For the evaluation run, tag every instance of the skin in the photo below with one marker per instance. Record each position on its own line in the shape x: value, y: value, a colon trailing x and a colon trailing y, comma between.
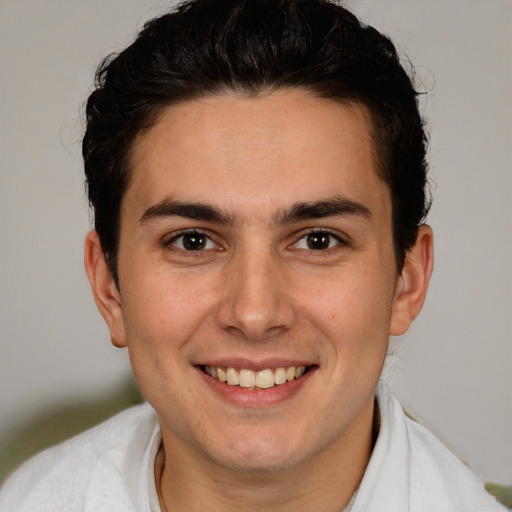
x: 258, y: 296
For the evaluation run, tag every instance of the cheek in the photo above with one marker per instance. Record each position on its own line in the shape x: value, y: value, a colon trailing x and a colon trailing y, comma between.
x: 350, y: 303
x: 161, y: 317
x: 353, y: 313
x: 165, y: 311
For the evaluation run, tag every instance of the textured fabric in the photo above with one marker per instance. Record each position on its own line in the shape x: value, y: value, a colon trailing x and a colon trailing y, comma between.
x: 411, y: 471
x: 110, y: 469
x: 154, y: 503
x: 103, y: 469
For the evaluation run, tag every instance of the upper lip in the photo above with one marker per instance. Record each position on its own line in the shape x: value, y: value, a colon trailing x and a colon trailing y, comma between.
x: 255, y: 364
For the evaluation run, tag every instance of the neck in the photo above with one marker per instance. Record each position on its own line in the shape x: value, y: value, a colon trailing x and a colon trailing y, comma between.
x: 190, y: 481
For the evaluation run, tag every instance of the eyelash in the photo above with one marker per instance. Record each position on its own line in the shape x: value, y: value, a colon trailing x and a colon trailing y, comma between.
x: 171, y: 242
x: 207, y: 240
x: 321, y: 231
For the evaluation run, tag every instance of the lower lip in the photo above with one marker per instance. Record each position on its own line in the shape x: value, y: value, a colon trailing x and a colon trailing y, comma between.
x: 256, y: 397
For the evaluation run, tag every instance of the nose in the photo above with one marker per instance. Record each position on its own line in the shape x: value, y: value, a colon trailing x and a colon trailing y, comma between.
x: 256, y: 303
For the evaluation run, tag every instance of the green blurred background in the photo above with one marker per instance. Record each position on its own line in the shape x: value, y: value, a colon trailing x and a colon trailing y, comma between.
x: 60, y: 423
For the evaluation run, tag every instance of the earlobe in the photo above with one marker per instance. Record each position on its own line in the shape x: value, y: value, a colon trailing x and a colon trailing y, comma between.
x: 104, y: 290
x: 412, y: 285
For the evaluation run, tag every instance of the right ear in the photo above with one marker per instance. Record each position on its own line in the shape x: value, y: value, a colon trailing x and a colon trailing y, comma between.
x: 104, y: 289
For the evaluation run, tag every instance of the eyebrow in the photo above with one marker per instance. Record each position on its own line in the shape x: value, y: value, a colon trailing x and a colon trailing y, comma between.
x: 196, y: 211
x: 300, y: 211
x: 331, y: 207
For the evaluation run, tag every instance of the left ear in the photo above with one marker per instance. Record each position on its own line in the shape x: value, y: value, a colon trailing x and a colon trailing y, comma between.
x: 104, y: 290
x: 412, y: 283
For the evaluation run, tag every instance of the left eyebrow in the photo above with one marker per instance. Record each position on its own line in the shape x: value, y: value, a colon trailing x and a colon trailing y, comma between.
x: 195, y: 211
x: 335, y: 206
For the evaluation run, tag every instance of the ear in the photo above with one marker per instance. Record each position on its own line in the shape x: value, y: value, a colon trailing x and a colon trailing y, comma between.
x: 412, y: 283
x: 104, y: 290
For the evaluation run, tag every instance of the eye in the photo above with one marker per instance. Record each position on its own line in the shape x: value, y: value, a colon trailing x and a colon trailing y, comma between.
x: 318, y: 241
x: 192, y: 241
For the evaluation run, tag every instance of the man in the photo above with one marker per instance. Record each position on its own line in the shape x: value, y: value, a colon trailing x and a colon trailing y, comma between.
x: 257, y: 172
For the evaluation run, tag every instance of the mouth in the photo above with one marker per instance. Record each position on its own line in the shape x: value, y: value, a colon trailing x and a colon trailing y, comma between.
x: 260, y: 379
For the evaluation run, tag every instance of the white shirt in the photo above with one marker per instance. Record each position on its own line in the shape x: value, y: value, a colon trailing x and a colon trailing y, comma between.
x: 411, y: 471
x: 110, y: 468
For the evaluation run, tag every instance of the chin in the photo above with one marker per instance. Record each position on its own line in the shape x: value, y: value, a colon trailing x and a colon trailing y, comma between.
x: 245, y: 454
x: 258, y: 463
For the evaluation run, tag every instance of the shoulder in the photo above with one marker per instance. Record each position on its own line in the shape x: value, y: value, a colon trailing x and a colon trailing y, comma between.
x: 100, y: 460
x: 436, y: 472
x: 411, y: 470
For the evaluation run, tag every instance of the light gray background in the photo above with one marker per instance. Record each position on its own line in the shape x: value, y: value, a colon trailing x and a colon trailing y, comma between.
x: 453, y: 369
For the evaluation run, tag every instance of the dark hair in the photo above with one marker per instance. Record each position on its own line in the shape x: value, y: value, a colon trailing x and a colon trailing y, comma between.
x: 207, y: 47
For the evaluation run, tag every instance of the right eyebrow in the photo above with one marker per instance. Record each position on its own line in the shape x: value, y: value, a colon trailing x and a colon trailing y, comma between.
x: 190, y: 210
x: 334, y: 206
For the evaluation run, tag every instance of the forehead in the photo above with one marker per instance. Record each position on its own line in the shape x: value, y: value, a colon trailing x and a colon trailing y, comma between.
x: 283, y: 148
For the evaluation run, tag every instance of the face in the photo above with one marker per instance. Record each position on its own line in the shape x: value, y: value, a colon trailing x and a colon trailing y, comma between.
x: 256, y: 246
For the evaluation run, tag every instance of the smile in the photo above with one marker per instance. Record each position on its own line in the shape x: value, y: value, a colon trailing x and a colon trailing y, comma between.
x: 262, y: 379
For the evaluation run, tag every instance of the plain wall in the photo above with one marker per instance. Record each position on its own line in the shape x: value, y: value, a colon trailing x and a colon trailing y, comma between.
x: 453, y: 370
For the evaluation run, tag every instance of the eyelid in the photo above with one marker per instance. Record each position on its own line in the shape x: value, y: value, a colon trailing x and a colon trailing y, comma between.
x: 175, y: 235
x: 342, y: 239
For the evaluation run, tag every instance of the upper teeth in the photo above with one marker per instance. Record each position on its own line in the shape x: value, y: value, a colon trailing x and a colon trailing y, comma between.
x: 244, y: 378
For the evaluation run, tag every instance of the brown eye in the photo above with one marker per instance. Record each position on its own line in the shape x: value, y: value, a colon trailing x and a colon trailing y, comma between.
x: 318, y: 241
x: 193, y: 241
